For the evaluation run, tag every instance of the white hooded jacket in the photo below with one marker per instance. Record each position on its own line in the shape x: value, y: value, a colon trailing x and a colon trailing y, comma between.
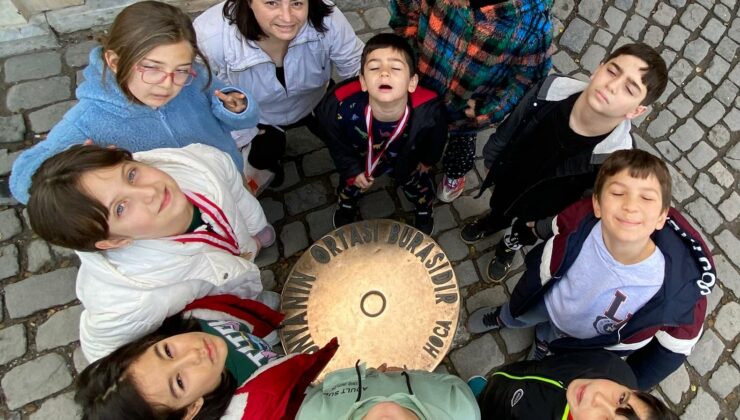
x: 128, y: 292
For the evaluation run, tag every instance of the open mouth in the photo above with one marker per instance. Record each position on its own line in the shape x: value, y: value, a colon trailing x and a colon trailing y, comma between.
x: 579, y: 394
x: 210, y: 348
x: 166, y: 198
x: 385, y: 88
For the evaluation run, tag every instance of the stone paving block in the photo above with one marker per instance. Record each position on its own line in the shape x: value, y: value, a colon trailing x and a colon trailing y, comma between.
x: 294, y: 238
x: 702, y: 155
x: 77, y: 54
x: 60, y: 329
x: 466, y: 274
x: 443, y: 218
x: 12, y: 343
x: 661, y: 125
x: 590, y: 10
x: 721, y: 174
x: 8, y: 261
x: 719, y: 136
x: 717, y: 70
x: 562, y: 8
x: 6, y: 161
x: 35, y: 379
x: 38, y: 255
x: 317, y: 163
x: 40, y: 292
x: 686, y: 135
x: 730, y: 208
x: 614, y: 19
x: 306, y: 197
x: 734, y: 31
x: 268, y: 280
x: 61, y: 407
x: 681, y: 189
x: 714, y: 298
x: 493, y: 296
x: 517, y: 339
x: 576, y: 34
x: 645, y: 7
x: 593, y: 56
x: 603, y: 37
x: 668, y: 150
x: 557, y: 27
x: 722, y: 12
x: 467, y: 206
x: 12, y: 128
x: 79, y: 359
x: 726, y: 274
x: 697, y: 89
x: 623, y: 4
x: 267, y: 256
x: 693, y: 16
x: 477, y: 357
x: 724, y: 380
x: 635, y: 26
x: 676, y: 37
x: 28, y: 95
x: 62, y: 252
x: 703, y: 406
x: 713, y: 30
x: 320, y: 222
x: 377, y: 17
x: 32, y: 66
x: 653, y: 36
x: 686, y: 167
x: 46, y: 118
x: 670, y: 87
x: 727, y: 323
x: 709, y: 189
x: 355, y: 20
x: 301, y: 141
x: 273, y: 209
x: 706, y: 352
x: 733, y: 157
x: 696, y: 50
x: 676, y: 384
x: 735, y: 75
x: 453, y: 246
x: 376, y: 205
x: 681, y: 106
x: 679, y: 71
x: 726, y: 48
x: 726, y: 92
x: 664, y: 14
x: 10, y: 225
x: 729, y: 244
x: 291, y: 176
x: 733, y: 120
x: 705, y: 214
x: 563, y: 63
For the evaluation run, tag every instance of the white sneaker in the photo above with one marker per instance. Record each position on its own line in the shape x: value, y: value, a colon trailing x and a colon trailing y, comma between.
x: 450, y: 188
x: 270, y: 299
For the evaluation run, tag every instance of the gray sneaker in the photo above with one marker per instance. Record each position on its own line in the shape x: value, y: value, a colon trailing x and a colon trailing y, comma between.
x: 484, y: 319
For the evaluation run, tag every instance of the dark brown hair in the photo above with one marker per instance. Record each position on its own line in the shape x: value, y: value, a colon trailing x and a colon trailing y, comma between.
x: 140, y: 28
x: 59, y: 209
x: 239, y: 13
x: 393, y: 41
x: 654, y: 76
x: 657, y: 410
x: 105, y: 391
x: 640, y: 164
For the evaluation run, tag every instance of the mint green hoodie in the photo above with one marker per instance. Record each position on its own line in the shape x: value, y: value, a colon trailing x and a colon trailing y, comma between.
x: 431, y: 396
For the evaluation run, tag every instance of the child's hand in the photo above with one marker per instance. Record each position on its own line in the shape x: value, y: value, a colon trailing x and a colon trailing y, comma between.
x: 470, y: 109
x: 233, y: 101
x: 422, y: 168
x: 364, y: 182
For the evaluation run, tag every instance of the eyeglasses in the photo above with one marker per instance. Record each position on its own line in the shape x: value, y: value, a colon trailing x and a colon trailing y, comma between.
x: 154, y: 76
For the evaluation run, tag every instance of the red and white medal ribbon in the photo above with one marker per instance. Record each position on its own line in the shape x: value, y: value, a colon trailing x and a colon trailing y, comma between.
x: 221, y: 235
x: 373, y: 162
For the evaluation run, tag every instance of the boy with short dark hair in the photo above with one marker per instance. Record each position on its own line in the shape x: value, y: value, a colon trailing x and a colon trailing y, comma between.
x: 154, y: 231
x: 383, y: 123
x: 614, y: 277
x: 546, y: 154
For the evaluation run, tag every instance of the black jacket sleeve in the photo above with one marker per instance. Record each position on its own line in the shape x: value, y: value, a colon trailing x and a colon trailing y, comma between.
x: 348, y: 164
x: 653, y: 363
x: 432, y: 139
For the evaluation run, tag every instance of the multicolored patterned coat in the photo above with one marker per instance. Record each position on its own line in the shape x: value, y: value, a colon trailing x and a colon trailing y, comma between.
x: 492, y: 54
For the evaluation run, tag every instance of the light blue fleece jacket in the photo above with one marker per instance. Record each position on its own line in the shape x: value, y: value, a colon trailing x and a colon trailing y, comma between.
x: 106, y: 116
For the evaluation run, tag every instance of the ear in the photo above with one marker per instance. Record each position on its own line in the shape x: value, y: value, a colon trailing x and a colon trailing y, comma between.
x: 662, y: 219
x: 111, y: 59
x: 362, y: 83
x: 597, y: 207
x: 413, y: 83
x: 641, y: 109
x: 193, y: 409
x: 113, y: 243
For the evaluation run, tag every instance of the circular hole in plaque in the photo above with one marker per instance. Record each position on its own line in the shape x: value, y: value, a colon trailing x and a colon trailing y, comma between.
x: 372, y: 303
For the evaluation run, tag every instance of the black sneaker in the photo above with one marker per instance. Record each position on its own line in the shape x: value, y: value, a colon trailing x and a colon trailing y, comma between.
x: 500, y: 265
x: 344, y: 215
x: 476, y: 230
x: 424, y: 221
x: 484, y: 319
x: 540, y: 349
x: 279, y: 178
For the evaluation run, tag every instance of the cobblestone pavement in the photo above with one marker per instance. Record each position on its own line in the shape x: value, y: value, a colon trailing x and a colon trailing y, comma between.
x: 694, y: 127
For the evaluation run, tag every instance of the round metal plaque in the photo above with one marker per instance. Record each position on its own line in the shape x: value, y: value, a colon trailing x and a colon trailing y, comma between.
x: 384, y: 289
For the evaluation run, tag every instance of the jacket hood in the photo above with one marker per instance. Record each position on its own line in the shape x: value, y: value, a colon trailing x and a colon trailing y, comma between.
x: 105, y: 91
x: 360, y: 409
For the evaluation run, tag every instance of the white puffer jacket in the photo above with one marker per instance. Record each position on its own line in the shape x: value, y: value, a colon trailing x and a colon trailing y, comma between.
x: 307, y: 64
x: 128, y: 292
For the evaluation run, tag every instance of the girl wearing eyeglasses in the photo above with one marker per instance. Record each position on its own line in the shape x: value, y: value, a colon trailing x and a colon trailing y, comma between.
x: 143, y: 90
